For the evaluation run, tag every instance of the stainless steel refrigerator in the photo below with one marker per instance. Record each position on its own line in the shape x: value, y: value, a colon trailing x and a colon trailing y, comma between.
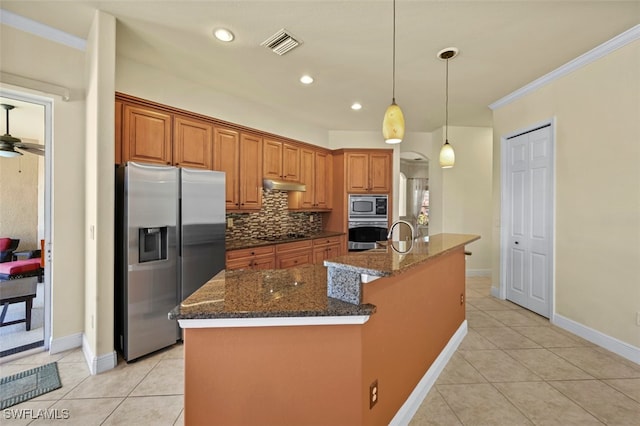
x: 170, y: 226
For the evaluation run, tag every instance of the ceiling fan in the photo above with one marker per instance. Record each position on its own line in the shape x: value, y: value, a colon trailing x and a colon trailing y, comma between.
x: 8, y: 143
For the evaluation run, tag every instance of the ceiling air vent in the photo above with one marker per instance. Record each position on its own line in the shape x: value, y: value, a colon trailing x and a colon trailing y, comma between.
x: 281, y: 42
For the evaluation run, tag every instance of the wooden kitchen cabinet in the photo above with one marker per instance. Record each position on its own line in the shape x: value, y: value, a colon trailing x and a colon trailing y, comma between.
x: 315, y: 173
x: 262, y: 257
x: 326, y: 248
x: 369, y: 171
x: 281, y: 160
x: 239, y: 155
x: 146, y: 135
x: 292, y: 254
x: 192, y: 143
x: 250, y: 172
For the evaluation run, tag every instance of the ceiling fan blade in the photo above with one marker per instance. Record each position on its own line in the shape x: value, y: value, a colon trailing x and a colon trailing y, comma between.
x: 32, y: 148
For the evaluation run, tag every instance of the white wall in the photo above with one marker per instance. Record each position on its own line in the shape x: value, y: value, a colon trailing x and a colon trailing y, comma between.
x: 63, y: 66
x: 99, y: 194
x: 597, y: 218
x: 467, y: 191
x: 139, y: 80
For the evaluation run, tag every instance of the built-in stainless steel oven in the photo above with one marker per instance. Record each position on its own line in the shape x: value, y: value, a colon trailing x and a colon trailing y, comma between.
x: 363, y: 235
x: 368, y: 221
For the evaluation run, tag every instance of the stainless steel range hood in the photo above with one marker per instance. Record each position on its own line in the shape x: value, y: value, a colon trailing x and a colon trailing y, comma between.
x: 283, y: 185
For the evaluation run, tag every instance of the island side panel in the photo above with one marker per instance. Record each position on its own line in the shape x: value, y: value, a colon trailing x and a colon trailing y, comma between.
x: 418, y: 311
x: 302, y: 375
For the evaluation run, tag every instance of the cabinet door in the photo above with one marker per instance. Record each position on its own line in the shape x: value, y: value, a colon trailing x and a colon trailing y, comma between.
x: 146, y: 135
x: 357, y: 172
x: 334, y: 250
x: 272, y: 164
x: 118, y: 135
x: 192, y: 143
x: 227, y: 159
x: 380, y: 172
x: 264, y: 262
x: 290, y: 162
x: 250, y: 172
x: 322, y: 178
x: 319, y: 255
x: 307, y: 176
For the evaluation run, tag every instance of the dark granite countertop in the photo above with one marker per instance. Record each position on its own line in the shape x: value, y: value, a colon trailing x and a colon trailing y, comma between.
x: 242, y: 244
x: 302, y: 292
x: 294, y: 292
x: 385, y: 261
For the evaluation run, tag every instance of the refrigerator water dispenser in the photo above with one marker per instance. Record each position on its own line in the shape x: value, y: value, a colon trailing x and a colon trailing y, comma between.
x: 152, y: 244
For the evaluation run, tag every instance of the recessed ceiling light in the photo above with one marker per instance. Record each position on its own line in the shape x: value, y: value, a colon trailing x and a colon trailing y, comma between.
x: 306, y: 79
x: 223, y: 34
x: 356, y: 106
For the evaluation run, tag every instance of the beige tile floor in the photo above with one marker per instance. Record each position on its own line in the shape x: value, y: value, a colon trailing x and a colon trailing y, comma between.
x: 515, y: 368
x: 512, y: 368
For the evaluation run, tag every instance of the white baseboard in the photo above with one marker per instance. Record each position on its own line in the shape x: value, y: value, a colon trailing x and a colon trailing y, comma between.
x: 495, y: 292
x: 98, y: 364
x: 612, y: 344
x: 478, y: 272
x: 65, y: 343
x: 411, y: 405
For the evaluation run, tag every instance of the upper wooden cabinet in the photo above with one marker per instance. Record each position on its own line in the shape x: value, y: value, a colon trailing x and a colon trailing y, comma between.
x: 226, y: 144
x: 315, y: 173
x: 239, y: 155
x: 250, y: 172
x: 281, y: 160
x: 146, y: 135
x: 192, y: 143
x: 368, y: 171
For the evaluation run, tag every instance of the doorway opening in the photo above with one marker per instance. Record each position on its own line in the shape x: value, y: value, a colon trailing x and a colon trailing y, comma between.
x: 25, y: 206
x: 413, y: 199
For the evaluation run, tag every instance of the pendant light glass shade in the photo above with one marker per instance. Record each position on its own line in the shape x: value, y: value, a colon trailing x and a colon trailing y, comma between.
x: 447, y: 156
x: 393, y: 121
x: 393, y: 124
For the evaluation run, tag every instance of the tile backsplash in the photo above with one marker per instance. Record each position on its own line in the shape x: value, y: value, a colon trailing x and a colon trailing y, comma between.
x: 273, y: 219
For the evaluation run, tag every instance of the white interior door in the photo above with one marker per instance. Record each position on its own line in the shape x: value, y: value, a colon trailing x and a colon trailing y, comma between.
x: 529, y: 263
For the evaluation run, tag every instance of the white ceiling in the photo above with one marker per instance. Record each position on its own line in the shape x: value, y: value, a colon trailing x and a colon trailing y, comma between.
x: 347, y: 48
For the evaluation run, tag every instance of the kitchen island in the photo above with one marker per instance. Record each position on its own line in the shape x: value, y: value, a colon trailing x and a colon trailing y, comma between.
x: 272, y: 348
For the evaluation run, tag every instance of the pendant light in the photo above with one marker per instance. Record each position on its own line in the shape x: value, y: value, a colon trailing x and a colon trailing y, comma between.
x: 447, y: 156
x: 393, y: 122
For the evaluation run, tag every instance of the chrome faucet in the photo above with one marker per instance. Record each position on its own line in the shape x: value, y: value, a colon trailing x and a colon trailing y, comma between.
x: 397, y: 222
x: 390, y: 234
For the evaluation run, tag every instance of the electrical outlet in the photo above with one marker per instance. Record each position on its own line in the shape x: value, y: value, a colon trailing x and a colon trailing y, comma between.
x: 230, y: 223
x: 310, y: 218
x: 638, y: 319
x: 373, y: 394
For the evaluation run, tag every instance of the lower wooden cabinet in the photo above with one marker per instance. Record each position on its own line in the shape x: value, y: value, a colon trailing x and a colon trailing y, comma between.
x: 326, y: 248
x: 262, y: 257
x: 292, y: 254
x: 286, y: 255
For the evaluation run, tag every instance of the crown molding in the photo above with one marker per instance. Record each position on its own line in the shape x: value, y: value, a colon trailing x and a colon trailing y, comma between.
x: 41, y: 30
x: 593, y: 55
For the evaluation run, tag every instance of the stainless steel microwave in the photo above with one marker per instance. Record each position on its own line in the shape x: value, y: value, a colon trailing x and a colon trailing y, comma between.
x: 367, y: 207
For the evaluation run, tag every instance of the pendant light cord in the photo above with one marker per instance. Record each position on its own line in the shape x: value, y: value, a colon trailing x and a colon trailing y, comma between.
x: 446, y: 105
x: 393, y: 87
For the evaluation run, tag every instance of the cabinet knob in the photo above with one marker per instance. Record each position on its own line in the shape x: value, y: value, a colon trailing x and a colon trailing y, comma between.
x: 253, y: 253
